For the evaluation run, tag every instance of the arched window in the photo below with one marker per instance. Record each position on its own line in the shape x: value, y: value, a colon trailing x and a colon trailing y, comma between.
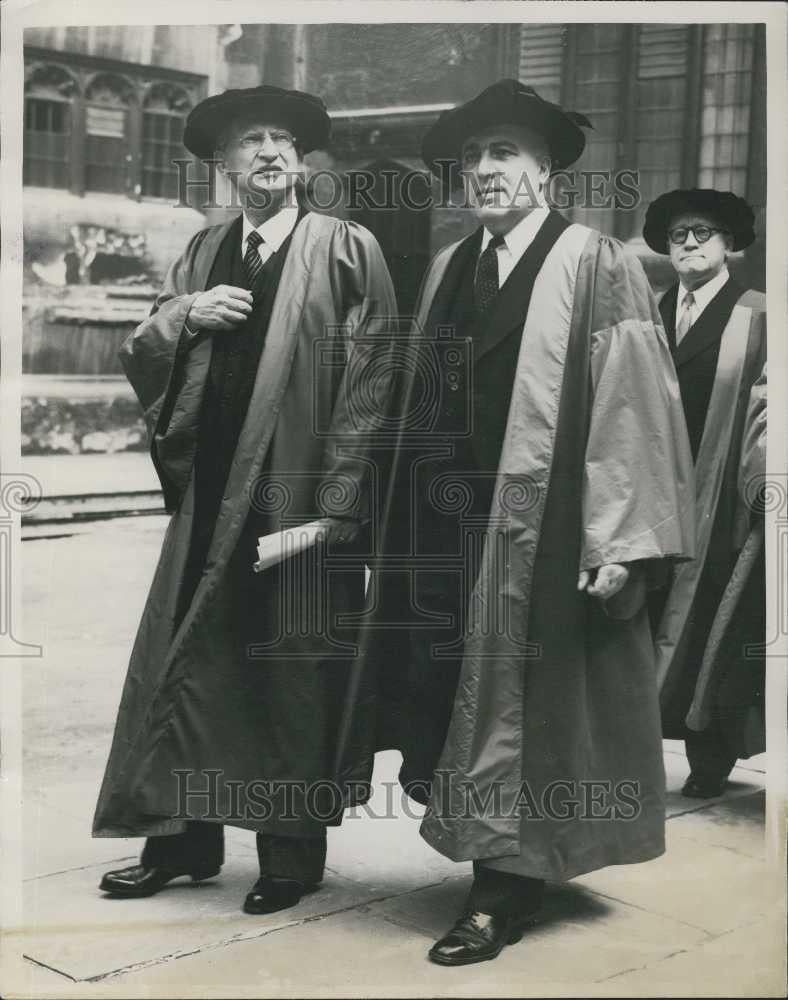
x: 49, y: 92
x: 107, y: 102
x: 164, y: 114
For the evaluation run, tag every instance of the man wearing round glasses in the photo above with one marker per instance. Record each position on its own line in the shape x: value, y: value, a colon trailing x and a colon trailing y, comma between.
x: 235, y: 688
x: 711, y: 620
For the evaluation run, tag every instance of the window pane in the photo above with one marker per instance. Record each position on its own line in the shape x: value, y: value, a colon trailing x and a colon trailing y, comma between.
x: 541, y: 53
x: 105, y: 149
x: 659, y: 122
x: 725, y: 119
x: 46, y: 142
x: 162, y: 143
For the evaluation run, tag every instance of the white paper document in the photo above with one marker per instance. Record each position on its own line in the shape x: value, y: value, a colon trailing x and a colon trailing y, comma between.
x: 272, y: 549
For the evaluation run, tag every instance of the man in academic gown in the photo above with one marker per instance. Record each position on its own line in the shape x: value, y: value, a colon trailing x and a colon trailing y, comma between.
x: 236, y: 680
x: 710, y: 623
x: 553, y: 480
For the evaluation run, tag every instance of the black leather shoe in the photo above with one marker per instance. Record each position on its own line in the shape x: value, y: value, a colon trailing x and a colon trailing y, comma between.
x: 142, y: 880
x: 478, y: 937
x: 699, y: 787
x: 270, y: 894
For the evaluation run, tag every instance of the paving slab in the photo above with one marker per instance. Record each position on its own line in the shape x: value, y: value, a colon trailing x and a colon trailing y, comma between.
x: 580, y: 936
x: 55, y: 842
x: 748, y: 962
x: 57, y: 824
x: 744, y: 781
x: 712, y: 888
x: 736, y: 824
x: 618, y: 932
x: 379, y: 843
x: 366, y: 953
x: 74, y: 929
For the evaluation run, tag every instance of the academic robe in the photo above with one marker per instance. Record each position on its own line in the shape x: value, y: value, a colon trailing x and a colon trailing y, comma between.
x: 195, y: 701
x: 556, y: 689
x: 710, y: 623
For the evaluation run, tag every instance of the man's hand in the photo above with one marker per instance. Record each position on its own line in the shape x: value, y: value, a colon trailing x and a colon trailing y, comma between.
x: 608, y: 580
x: 341, y: 530
x: 220, y: 308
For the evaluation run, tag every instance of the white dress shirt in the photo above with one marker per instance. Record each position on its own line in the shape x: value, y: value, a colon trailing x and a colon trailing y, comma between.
x: 274, y: 231
x: 516, y: 241
x: 702, y: 296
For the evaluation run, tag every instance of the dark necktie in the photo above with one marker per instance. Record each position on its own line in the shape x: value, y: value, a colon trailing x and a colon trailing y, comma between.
x: 253, y: 265
x: 486, y: 286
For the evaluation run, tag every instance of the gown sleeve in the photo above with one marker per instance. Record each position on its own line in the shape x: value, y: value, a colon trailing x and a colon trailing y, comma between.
x: 148, y: 355
x: 638, y: 488
x: 366, y: 308
x: 752, y: 467
x: 153, y: 358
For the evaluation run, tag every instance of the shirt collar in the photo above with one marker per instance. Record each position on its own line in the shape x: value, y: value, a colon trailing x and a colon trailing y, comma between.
x: 274, y: 230
x: 518, y: 239
x: 705, y: 293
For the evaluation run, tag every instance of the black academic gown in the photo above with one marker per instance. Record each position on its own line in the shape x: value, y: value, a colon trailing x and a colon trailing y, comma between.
x: 454, y: 492
x: 696, y: 360
x: 309, y: 700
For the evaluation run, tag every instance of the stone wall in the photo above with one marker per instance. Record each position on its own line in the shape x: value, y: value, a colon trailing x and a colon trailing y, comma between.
x: 79, y: 417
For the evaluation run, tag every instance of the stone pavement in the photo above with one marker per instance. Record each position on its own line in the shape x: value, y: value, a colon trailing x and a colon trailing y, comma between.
x: 706, y: 919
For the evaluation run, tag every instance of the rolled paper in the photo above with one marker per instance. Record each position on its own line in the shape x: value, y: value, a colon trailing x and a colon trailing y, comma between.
x: 281, y: 545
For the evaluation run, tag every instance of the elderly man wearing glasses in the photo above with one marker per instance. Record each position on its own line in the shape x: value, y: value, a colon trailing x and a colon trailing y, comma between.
x: 228, y: 716
x: 710, y: 623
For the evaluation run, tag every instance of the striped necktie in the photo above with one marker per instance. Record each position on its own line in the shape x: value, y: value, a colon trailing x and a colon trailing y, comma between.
x: 486, y: 284
x: 685, y: 318
x: 253, y: 264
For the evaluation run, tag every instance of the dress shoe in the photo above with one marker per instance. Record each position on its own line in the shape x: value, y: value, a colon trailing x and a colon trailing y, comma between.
x: 699, y: 787
x: 143, y: 880
x: 270, y: 894
x: 478, y: 937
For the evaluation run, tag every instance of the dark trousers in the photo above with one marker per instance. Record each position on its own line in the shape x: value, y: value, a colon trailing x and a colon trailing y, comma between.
x: 504, y: 894
x: 201, y: 846
x: 709, y: 755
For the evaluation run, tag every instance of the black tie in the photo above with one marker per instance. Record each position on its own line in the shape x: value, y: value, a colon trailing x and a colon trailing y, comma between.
x: 253, y: 265
x: 486, y: 286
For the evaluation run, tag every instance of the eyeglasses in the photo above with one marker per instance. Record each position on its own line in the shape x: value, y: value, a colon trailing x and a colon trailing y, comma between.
x: 679, y: 235
x: 283, y: 141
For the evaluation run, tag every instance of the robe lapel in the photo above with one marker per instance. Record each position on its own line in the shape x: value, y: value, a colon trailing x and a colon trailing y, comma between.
x: 206, y: 255
x: 459, y: 263
x: 708, y: 327
x: 667, y: 310
x: 198, y: 358
x: 715, y: 444
x: 273, y: 374
x: 511, y: 305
